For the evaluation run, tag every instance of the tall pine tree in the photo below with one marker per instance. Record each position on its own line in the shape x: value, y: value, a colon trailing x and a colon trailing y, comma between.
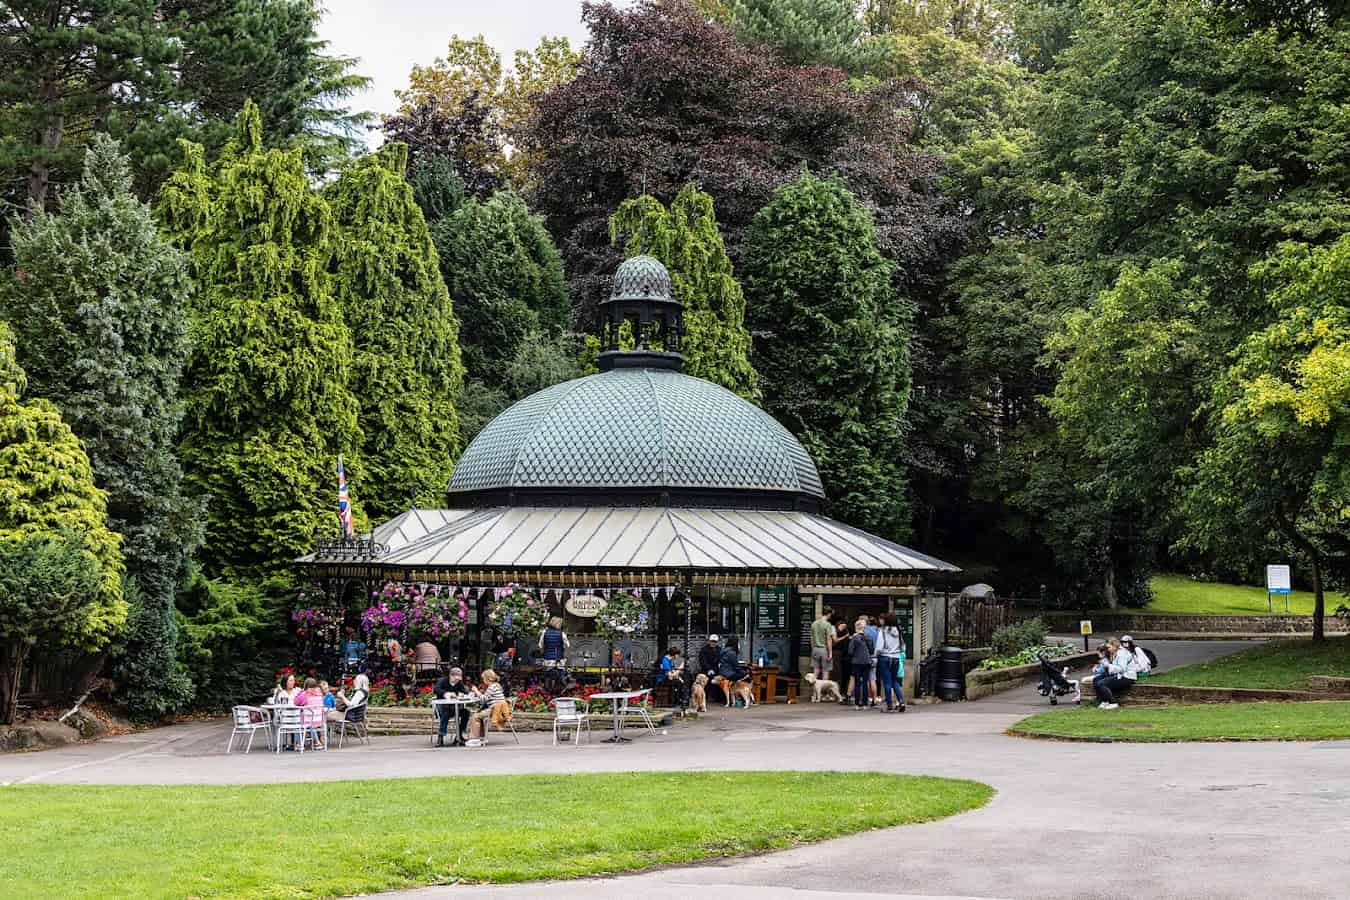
x: 834, y: 359
x: 407, y: 363
x: 47, y: 494
x: 268, y: 404
x: 99, y: 307
x: 686, y: 239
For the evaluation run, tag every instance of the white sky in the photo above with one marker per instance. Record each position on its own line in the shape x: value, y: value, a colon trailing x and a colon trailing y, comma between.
x: 390, y: 36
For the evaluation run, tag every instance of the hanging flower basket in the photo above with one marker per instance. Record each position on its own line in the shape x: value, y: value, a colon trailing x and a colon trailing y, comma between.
x: 435, y: 616
x: 516, y: 610
x: 624, y: 615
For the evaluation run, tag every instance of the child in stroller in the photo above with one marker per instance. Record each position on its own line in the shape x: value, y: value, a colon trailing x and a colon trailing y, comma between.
x: 1057, y: 684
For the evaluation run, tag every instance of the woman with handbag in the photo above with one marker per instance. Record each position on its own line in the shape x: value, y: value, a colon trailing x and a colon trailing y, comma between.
x: 891, y: 663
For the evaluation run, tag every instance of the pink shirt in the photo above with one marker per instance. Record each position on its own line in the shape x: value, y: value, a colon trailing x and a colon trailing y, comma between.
x: 312, y: 700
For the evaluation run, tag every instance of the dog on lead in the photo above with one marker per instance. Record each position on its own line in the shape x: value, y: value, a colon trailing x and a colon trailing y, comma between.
x: 698, y: 694
x: 734, y: 689
x: 822, y: 688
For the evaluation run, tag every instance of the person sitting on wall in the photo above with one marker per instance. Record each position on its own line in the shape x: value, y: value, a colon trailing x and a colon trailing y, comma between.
x: 709, y: 656
x: 554, y: 644
x: 451, y: 684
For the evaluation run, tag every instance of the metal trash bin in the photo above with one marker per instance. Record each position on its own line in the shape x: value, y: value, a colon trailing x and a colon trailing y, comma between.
x: 951, y: 674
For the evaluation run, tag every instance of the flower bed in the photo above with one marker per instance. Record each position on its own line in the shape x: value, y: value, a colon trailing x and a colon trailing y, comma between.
x: 1028, y: 656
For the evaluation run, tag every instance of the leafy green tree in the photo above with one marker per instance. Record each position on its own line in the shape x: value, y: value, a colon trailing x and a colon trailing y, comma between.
x: 833, y: 359
x: 506, y: 276
x: 406, y: 365
x: 60, y: 566
x: 1279, y: 460
x: 686, y: 239
x: 269, y: 407
x: 99, y: 308
x: 234, y: 636
x: 48, y: 588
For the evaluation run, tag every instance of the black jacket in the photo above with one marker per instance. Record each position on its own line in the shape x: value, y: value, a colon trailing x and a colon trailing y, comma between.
x: 729, y: 665
x: 860, y: 650
x: 443, y: 687
x: 707, y: 658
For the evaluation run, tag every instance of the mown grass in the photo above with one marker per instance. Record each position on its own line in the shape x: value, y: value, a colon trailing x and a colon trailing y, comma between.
x: 334, y: 838
x: 1211, y: 722
x: 1279, y: 665
x: 1179, y: 595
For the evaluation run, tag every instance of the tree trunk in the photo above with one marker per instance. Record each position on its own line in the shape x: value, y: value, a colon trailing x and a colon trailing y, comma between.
x: 1109, y: 586
x: 12, y: 657
x: 49, y: 140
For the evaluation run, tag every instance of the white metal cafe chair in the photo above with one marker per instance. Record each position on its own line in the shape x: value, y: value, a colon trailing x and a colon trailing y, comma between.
x: 641, y: 703
x: 567, y: 714
x: 294, y: 720
x: 354, y: 717
x: 249, y: 720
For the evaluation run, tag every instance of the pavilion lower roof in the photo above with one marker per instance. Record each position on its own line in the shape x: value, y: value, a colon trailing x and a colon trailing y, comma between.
x: 616, y: 545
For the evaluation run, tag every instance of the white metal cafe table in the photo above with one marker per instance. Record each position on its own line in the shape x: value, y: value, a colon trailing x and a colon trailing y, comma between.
x: 620, y: 701
x: 453, y: 702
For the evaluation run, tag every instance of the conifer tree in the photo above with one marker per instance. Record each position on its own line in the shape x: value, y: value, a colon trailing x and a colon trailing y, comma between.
x: 48, y: 498
x: 506, y: 276
x: 686, y: 239
x: 269, y: 408
x: 834, y: 362
x: 406, y: 366
x: 99, y: 308
x: 804, y: 32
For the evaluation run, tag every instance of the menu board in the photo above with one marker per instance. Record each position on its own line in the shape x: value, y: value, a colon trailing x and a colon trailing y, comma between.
x: 771, y: 608
x: 806, y: 615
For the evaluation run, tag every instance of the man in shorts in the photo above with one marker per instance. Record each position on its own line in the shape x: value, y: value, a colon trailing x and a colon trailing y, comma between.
x: 822, y: 644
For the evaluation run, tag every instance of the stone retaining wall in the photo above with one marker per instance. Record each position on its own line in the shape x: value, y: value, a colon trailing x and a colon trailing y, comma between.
x: 394, y: 720
x: 1107, y: 624
x: 983, y: 682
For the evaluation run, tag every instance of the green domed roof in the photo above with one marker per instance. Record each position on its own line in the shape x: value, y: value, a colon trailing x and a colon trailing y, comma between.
x: 642, y: 278
x: 633, y: 430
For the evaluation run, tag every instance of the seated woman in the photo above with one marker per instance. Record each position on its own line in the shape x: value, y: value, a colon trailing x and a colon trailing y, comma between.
x: 311, y: 698
x: 451, y: 684
x: 1121, y: 674
x: 285, y: 691
x: 360, y: 694
x: 672, y: 673
x: 491, y: 697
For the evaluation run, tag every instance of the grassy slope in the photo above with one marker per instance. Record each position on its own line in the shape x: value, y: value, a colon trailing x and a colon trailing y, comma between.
x: 1180, y: 595
x: 348, y: 837
x: 1279, y: 665
x: 1269, y: 721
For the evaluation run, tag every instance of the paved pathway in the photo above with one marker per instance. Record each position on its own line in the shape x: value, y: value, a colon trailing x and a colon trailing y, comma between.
x: 1144, y: 821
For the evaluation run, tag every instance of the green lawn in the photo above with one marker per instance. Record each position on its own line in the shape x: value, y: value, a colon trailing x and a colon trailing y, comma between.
x: 323, y: 839
x: 1179, y: 595
x: 1281, y: 665
x: 1212, y: 722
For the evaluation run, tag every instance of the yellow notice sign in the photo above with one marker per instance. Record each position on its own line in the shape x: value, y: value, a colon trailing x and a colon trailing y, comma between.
x: 1085, y: 626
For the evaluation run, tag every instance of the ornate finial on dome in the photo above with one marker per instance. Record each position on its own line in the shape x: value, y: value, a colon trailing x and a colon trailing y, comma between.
x: 642, y: 296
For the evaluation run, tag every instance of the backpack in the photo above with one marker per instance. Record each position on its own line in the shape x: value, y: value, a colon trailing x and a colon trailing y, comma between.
x: 1152, y: 657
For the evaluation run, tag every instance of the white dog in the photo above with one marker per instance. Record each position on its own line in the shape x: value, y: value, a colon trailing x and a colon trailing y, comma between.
x: 822, y: 688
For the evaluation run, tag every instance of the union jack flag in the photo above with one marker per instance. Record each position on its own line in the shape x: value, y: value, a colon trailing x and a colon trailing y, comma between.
x: 344, y: 502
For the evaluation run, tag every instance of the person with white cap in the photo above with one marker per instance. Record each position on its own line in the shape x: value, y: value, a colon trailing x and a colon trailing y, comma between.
x: 1141, y: 660
x: 708, y: 656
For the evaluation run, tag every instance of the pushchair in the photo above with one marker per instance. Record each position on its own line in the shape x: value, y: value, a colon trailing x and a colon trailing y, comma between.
x: 1058, y: 684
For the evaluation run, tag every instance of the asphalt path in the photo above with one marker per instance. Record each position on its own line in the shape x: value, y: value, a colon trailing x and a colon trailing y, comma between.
x: 1069, y: 820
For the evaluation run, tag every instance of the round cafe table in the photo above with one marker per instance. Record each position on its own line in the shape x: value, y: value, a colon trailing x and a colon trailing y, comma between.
x: 455, y: 702
x: 620, y: 701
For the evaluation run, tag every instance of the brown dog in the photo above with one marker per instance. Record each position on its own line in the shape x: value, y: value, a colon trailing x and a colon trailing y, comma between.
x: 698, y: 694
x: 733, y: 689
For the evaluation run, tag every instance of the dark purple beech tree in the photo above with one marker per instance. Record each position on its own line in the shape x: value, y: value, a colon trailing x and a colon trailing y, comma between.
x: 663, y: 98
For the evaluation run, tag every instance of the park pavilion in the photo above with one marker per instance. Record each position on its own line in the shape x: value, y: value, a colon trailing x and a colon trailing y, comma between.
x: 636, y: 481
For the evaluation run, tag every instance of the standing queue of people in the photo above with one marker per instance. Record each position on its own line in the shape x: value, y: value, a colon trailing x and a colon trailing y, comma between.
x: 871, y: 659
